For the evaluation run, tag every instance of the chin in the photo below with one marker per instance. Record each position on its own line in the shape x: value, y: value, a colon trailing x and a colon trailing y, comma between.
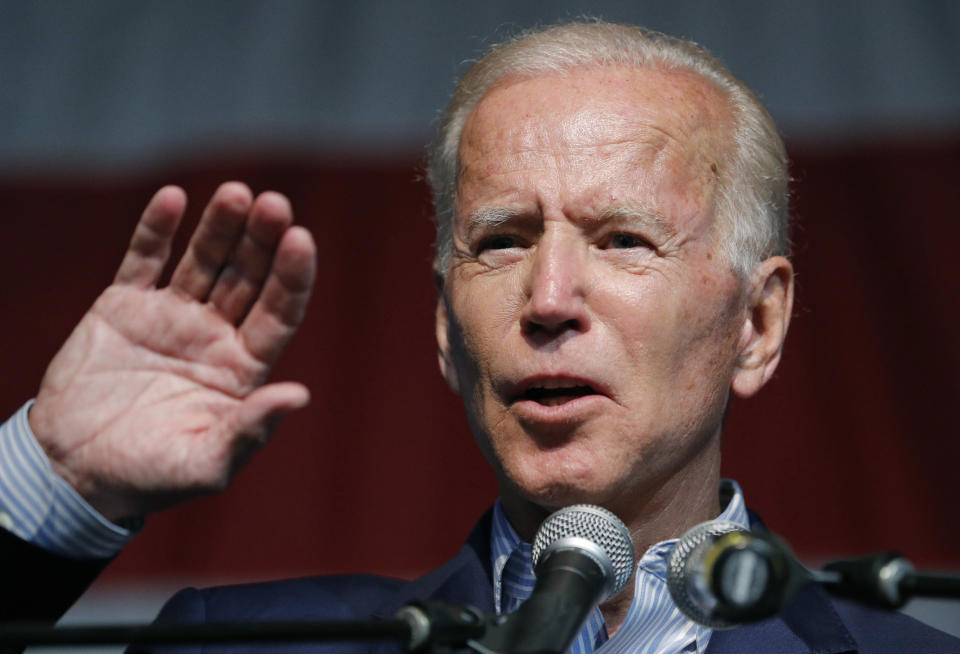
x: 554, y: 477
x: 552, y: 492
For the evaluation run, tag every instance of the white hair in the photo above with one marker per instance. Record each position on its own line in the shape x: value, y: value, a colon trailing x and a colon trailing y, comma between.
x: 752, y: 204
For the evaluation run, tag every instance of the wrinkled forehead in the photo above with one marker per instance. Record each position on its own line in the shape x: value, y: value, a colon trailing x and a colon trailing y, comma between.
x: 608, y: 134
x: 591, y: 106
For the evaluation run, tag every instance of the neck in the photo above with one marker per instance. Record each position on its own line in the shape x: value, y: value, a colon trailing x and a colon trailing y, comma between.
x: 667, y: 512
x: 660, y: 509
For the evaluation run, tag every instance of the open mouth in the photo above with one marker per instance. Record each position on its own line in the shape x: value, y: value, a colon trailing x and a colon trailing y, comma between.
x: 556, y: 395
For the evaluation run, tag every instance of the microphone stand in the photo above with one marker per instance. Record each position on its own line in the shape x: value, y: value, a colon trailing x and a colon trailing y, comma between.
x: 419, y: 626
x: 885, y: 579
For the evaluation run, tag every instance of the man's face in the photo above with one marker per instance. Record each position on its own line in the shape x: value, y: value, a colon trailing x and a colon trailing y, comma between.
x: 587, y: 319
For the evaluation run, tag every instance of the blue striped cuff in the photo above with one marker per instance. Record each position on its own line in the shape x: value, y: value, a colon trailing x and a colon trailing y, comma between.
x: 40, y: 507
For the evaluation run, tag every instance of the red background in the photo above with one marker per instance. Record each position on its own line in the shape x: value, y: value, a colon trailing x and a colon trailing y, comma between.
x: 853, y: 446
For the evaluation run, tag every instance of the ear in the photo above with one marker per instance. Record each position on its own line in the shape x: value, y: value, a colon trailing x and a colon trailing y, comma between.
x: 444, y: 356
x: 770, y: 303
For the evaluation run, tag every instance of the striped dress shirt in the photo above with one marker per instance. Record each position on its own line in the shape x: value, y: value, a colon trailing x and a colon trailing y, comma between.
x: 40, y: 507
x: 653, y: 625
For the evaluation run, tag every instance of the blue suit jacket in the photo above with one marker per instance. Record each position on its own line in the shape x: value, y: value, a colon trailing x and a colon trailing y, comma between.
x: 812, y: 623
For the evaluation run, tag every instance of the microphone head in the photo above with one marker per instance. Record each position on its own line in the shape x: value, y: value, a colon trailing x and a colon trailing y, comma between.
x: 686, y: 580
x: 595, y: 532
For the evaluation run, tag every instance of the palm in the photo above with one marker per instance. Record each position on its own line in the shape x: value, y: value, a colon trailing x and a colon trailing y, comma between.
x: 159, y: 380
x: 157, y: 394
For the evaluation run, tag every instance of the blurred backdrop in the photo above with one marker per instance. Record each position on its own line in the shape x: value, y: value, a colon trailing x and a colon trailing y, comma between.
x: 852, y: 448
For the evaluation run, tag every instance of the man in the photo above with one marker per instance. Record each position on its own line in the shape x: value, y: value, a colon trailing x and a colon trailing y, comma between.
x: 612, y: 231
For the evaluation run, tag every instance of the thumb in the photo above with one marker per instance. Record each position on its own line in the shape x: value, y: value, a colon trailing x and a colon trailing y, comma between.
x: 260, y: 414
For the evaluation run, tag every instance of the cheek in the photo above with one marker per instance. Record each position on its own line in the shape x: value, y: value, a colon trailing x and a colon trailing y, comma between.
x: 645, y: 314
x: 476, y: 330
x: 679, y: 330
x: 487, y: 306
x: 710, y: 334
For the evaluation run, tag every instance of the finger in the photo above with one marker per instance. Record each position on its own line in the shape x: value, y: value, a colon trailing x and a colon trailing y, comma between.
x: 281, y: 305
x: 239, y: 283
x: 150, y: 244
x: 261, y: 410
x: 258, y: 417
x: 211, y: 245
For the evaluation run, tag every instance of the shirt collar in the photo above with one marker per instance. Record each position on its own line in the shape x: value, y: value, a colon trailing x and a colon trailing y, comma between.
x: 655, y: 559
x: 504, y: 538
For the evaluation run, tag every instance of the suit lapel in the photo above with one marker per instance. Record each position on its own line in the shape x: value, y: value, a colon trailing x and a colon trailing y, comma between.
x: 808, y: 625
x: 464, y: 579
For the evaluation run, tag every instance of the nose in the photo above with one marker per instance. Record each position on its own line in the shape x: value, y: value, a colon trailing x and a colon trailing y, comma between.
x: 555, y: 286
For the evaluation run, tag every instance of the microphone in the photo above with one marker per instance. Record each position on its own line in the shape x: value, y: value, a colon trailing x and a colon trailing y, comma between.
x: 887, y: 580
x: 721, y: 575
x: 582, y: 556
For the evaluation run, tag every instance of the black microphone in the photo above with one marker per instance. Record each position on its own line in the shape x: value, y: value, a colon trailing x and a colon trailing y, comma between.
x: 722, y: 575
x: 582, y: 556
x: 887, y: 580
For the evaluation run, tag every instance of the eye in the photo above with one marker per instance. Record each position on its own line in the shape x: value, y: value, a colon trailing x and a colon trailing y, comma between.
x: 497, y: 242
x: 623, y: 241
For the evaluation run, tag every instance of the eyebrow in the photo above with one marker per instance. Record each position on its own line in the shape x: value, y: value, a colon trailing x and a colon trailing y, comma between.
x: 490, y: 217
x: 495, y: 216
x: 634, y: 211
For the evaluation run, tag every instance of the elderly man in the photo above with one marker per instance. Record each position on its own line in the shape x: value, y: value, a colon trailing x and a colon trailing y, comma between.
x: 612, y: 231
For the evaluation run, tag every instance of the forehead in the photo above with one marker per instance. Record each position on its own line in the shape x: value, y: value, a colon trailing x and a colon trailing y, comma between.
x: 680, y: 102
x: 660, y: 123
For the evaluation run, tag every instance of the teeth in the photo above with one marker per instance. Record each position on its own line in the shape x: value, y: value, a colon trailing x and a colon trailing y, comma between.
x: 557, y: 383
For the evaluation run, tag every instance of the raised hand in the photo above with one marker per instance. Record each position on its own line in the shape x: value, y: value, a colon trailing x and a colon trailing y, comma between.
x: 158, y: 395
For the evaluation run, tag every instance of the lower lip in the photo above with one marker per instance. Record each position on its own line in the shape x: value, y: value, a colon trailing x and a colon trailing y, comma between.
x: 574, y: 410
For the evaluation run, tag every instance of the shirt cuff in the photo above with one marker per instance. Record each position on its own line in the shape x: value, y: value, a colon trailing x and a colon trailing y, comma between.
x: 39, y: 506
